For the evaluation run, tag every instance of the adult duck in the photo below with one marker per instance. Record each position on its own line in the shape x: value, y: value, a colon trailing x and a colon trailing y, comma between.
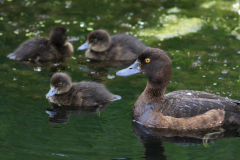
x: 178, y: 110
x: 102, y: 46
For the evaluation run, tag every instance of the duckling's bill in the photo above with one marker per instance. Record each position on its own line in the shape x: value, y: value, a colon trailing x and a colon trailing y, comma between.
x: 84, y: 46
x: 51, y: 93
x: 131, y: 70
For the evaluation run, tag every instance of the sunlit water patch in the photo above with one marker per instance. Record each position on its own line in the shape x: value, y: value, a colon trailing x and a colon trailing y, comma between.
x: 174, y: 27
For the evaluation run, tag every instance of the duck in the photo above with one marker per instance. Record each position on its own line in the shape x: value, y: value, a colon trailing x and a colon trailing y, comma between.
x: 43, y: 48
x: 101, y: 46
x: 177, y: 110
x: 84, y: 93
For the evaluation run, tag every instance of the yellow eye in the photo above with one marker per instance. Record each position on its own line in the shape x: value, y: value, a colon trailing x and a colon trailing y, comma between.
x: 147, y: 60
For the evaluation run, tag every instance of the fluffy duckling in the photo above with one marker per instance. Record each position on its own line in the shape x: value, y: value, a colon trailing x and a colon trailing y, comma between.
x: 42, y: 48
x: 117, y: 47
x: 64, y: 92
x: 179, y: 110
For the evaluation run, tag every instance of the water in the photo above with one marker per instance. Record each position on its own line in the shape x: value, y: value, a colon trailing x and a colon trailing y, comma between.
x: 201, y: 38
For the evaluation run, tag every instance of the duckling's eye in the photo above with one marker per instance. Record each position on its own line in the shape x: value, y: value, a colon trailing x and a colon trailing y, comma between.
x: 59, y: 84
x: 147, y: 60
x: 94, y: 40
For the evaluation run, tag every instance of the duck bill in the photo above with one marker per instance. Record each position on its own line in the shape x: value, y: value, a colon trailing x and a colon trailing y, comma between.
x: 84, y: 46
x: 51, y: 93
x: 131, y: 70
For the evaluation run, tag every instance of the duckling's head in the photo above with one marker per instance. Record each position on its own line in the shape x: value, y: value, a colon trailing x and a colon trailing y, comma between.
x: 152, y: 62
x: 60, y: 83
x: 98, y: 41
x: 58, y: 36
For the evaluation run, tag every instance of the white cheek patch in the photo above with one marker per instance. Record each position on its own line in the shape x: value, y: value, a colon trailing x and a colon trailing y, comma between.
x: 59, y: 92
x: 138, y: 66
x: 51, y: 99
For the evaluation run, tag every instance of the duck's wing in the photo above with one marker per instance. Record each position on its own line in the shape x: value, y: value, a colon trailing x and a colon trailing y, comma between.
x: 185, y: 107
x: 197, y: 94
x: 32, y: 48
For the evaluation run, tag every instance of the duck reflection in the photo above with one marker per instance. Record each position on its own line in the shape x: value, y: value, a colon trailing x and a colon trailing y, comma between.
x: 94, y: 64
x: 52, y: 66
x: 61, y: 114
x: 101, y: 70
x: 152, y: 139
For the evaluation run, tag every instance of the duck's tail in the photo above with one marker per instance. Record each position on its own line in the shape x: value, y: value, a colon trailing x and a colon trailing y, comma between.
x: 116, y: 97
x: 11, y: 56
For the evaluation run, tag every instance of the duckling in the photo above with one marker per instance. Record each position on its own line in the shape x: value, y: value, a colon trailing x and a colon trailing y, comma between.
x: 117, y: 47
x: 64, y: 92
x: 42, y: 48
x: 179, y: 110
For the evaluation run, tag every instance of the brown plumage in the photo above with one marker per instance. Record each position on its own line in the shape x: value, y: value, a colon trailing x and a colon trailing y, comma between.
x: 184, y: 109
x: 117, y: 47
x: 64, y: 92
x: 42, y: 48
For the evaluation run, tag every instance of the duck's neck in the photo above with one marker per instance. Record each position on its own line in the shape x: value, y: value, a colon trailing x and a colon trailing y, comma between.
x: 151, y: 98
x: 155, y: 91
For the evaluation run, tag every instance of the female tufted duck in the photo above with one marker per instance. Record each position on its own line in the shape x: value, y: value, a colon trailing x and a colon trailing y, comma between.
x: 117, y: 47
x: 42, y: 48
x: 64, y: 92
x: 179, y: 110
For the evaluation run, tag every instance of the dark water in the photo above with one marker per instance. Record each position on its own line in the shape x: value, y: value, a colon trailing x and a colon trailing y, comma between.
x: 201, y: 38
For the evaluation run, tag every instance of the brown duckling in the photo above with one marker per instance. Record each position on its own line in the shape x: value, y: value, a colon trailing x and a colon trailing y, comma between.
x: 179, y: 110
x: 117, y: 47
x: 42, y: 48
x: 64, y: 92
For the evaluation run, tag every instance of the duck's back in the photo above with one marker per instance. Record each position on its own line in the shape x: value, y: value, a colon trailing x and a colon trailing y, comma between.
x: 39, y: 48
x: 125, y: 47
x: 93, y: 93
x: 184, y: 104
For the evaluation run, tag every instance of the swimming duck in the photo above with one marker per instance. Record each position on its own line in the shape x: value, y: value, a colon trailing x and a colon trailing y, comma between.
x: 178, y: 110
x: 64, y: 92
x: 117, y: 47
x: 42, y: 48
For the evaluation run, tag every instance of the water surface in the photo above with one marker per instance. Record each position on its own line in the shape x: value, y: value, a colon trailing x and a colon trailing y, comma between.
x: 201, y: 38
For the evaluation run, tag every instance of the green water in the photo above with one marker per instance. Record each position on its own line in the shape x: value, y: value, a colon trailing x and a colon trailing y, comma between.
x: 201, y: 38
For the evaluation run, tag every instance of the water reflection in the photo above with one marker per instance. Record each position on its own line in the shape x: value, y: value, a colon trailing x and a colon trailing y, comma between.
x: 102, y: 66
x: 52, y: 66
x: 152, y: 139
x: 61, y: 114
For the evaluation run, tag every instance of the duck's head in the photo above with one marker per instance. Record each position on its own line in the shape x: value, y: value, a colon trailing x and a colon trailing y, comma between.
x: 98, y: 41
x: 152, y: 62
x: 58, y: 36
x: 60, y: 83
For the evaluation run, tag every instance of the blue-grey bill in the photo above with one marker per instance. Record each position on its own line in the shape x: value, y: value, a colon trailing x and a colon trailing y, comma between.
x: 84, y: 46
x: 52, y: 92
x: 129, y: 71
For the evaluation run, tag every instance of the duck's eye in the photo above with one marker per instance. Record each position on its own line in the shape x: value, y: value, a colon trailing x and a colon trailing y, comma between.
x: 147, y: 60
x: 94, y: 40
x: 59, y: 84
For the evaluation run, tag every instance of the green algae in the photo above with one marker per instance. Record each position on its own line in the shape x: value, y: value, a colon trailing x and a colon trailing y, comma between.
x: 174, y: 27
